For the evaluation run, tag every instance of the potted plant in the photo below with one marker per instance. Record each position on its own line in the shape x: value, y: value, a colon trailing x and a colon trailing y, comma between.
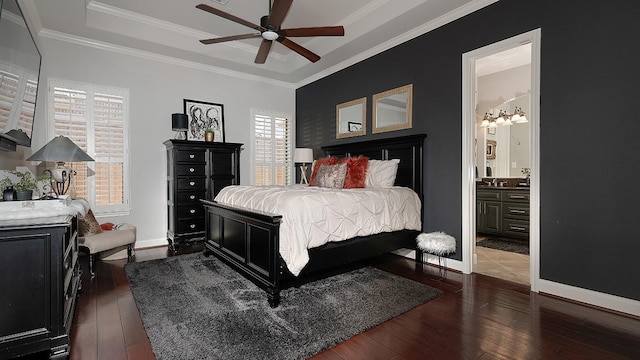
x: 209, y: 135
x: 24, y: 185
x: 527, y: 173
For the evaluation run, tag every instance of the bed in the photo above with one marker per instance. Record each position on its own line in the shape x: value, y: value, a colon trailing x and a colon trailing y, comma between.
x: 249, y: 240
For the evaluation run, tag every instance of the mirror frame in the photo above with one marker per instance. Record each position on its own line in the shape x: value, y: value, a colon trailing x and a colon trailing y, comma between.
x: 362, y: 102
x: 409, y: 108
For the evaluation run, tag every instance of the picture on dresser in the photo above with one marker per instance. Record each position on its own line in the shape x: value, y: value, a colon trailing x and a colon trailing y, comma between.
x: 204, y: 116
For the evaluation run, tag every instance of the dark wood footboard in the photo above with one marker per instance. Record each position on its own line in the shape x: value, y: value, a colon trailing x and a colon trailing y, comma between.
x: 249, y: 241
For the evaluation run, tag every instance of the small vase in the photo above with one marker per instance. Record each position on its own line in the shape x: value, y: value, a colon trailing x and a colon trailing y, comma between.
x: 208, y: 136
x: 9, y: 194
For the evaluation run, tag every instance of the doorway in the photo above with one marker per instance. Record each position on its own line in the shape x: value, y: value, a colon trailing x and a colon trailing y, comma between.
x: 477, y: 64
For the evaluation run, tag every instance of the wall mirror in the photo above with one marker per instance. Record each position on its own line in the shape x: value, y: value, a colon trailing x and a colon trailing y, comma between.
x: 392, y: 109
x: 351, y: 118
x: 511, y: 143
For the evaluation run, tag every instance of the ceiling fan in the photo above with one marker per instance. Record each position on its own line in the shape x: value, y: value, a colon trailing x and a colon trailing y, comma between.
x: 269, y: 29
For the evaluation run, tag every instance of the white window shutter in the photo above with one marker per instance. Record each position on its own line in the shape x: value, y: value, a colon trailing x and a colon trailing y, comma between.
x: 272, y: 148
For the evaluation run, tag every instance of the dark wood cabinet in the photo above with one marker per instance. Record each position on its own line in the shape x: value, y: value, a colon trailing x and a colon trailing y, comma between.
x: 196, y: 170
x: 40, y: 279
x: 503, y: 212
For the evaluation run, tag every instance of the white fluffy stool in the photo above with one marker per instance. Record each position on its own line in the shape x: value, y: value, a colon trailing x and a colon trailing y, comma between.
x: 436, y: 243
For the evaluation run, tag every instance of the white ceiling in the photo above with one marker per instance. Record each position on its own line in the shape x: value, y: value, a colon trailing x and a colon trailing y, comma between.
x: 169, y: 30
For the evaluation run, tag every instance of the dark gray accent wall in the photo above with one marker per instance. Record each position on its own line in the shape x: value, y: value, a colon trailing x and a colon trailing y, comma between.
x: 590, y: 70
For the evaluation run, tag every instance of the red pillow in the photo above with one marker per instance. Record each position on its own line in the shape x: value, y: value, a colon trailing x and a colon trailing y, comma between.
x: 107, y: 226
x: 356, y: 172
x: 323, y: 161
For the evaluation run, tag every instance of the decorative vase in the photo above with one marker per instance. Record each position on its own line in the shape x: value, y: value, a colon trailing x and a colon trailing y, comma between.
x: 9, y: 194
x: 208, y: 136
x: 24, y: 195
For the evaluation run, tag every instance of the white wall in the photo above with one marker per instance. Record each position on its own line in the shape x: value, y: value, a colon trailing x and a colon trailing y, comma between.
x: 157, y: 89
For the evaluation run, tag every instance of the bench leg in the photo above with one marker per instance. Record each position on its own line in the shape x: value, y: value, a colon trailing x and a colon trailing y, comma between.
x: 129, y: 252
x: 92, y: 265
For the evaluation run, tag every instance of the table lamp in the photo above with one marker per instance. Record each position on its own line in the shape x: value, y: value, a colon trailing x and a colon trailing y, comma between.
x: 303, y: 156
x: 180, y: 124
x: 59, y: 150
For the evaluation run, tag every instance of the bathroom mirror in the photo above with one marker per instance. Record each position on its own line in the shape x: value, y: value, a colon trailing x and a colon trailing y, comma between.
x: 512, y: 142
x: 392, y: 109
x: 351, y: 118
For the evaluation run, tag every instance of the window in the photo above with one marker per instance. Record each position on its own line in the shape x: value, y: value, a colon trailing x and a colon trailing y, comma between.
x: 95, y: 118
x: 272, y: 148
x: 17, y: 98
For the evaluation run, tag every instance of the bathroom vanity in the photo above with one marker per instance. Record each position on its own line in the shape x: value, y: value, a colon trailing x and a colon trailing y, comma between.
x: 503, y: 211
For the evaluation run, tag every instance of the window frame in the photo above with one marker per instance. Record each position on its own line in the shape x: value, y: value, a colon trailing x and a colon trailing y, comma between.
x: 290, y: 178
x: 90, y: 90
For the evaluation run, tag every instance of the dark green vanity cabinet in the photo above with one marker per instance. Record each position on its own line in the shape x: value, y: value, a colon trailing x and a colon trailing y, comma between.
x: 503, y: 212
x: 488, y: 211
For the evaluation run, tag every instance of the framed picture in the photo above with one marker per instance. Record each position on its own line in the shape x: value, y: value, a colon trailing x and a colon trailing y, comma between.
x: 354, y: 126
x: 491, y: 149
x: 491, y: 131
x: 202, y: 116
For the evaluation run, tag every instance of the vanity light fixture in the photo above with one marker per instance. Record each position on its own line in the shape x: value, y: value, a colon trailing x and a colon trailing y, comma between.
x: 504, y: 119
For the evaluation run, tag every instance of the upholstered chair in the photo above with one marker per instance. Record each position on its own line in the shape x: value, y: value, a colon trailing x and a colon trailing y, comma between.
x: 95, y: 240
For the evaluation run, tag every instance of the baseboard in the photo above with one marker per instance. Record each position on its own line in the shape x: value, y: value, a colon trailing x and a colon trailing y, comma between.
x: 141, y: 244
x: 587, y: 297
x: 590, y: 297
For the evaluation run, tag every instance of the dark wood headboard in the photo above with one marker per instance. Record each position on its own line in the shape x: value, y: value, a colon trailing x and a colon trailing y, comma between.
x: 409, y: 149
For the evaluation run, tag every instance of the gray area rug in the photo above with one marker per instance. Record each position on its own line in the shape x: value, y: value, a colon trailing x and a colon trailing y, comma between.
x: 196, y: 307
x: 520, y: 247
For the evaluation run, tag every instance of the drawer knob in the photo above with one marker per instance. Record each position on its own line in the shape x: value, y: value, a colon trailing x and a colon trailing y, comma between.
x: 517, y: 197
x: 192, y: 169
x: 517, y: 228
x: 193, y: 226
x: 517, y: 211
x: 191, y: 156
x: 193, y: 211
x: 192, y: 183
x: 192, y: 197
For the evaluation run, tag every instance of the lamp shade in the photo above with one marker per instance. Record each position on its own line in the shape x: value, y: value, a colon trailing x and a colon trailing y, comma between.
x: 179, y: 122
x: 303, y: 155
x: 60, y: 148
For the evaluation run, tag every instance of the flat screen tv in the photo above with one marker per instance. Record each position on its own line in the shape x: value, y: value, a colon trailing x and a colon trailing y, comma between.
x: 19, y: 74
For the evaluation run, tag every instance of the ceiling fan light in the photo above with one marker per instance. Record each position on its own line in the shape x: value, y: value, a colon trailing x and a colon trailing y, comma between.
x: 507, y: 122
x: 523, y: 119
x: 270, y: 35
x: 515, y: 118
x: 484, y: 123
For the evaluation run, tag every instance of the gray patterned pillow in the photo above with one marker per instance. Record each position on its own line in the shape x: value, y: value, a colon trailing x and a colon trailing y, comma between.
x: 331, y: 176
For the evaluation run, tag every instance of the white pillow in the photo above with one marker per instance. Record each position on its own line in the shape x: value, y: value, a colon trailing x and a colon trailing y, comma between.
x: 381, y: 173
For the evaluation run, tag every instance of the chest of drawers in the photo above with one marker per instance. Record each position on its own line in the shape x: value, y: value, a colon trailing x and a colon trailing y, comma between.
x: 196, y: 170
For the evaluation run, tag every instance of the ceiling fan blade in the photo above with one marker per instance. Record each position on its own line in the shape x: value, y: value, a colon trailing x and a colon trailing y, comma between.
x: 263, y: 51
x: 299, y: 49
x: 228, y: 16
x: 278, y: 12
x: 229, y: 38
x: 313, y: 31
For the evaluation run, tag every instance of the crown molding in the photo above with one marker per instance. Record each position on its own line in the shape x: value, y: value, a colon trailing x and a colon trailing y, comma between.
x: 55, y: 35
x: 411, y: 34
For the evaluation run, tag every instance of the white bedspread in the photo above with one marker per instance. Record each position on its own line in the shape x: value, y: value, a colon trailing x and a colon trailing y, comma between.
x: 313, y: 216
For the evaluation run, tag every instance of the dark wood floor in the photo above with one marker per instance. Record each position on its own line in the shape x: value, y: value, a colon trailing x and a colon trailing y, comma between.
x: 478, y: 317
